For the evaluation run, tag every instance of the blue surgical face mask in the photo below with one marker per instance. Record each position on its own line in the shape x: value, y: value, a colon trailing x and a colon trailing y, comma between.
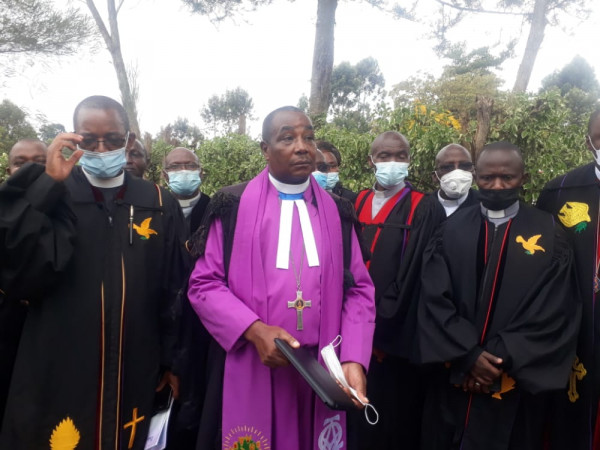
x: 321, y: 178
x: 390, y: 173
x: 332, y: 179
x: 103, y: 165
x: 184, y: 182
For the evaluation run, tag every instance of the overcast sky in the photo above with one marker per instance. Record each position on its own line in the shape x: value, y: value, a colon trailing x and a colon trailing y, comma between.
x: 183, y: 59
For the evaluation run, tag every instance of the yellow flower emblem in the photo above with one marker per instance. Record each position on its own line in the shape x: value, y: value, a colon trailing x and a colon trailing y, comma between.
x: 144, y: 229
x: 65, y: 436
x: 575, y: 214
x: 530, y: 245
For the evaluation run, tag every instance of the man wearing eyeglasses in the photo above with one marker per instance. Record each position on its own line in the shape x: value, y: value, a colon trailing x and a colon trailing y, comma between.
x: 454, y: 174
x: 183, y: 174
x: 99, y: 343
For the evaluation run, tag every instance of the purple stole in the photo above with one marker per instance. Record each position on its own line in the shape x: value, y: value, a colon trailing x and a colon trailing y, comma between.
x: 247, y: 404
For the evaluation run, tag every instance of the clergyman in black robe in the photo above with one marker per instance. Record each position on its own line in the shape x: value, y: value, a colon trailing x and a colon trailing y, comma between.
x: 497, y: 316
x: 573, y: 198
x: 94, y: 347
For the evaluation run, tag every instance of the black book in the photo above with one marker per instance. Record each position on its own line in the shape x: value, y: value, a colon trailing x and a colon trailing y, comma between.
x: 316, y: 376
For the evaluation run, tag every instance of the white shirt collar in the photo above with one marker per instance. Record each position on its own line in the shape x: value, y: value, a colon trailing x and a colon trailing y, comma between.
x: 289, y: 188
x: 452, y: 204
x: 389, y: 192
x: 189, y: 202
x: 501, y: 216
x: 105, y: 183
x: 597, y: 172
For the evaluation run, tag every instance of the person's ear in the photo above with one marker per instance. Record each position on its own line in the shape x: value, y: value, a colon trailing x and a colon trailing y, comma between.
x: 434, y: 178
x: 264, y: 147
x: 588, y: 144
x: 165, y: 175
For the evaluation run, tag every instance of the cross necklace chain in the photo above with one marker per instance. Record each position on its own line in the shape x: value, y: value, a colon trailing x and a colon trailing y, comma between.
x: 299, y: 303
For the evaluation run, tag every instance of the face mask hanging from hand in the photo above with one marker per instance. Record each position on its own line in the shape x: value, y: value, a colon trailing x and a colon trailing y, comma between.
x: 390, y: 173
x: 103, y: 165
x: 456, y: 183
x: 335, y: 370
x: 184, y: 182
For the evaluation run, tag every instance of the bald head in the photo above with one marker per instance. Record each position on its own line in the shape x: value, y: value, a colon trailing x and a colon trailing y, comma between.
x: 181, y: 155
x: 452, y: 151
x: 389, y: 146
x: 137, y: 159
x: 24, y: 151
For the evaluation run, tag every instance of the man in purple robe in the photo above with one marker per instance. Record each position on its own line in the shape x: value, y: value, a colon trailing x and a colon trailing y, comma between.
x: 282, y: 260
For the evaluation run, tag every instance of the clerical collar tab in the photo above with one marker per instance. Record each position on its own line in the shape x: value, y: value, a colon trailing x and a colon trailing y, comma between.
x: 105, y: 183
x: 501, y: 214
x: 511, y: 211
x: 289, y: 188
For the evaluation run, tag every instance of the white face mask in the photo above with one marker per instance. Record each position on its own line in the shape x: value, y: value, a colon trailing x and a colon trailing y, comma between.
x: 335, y: 370
x: 390, y: 173
x: 456, y: 183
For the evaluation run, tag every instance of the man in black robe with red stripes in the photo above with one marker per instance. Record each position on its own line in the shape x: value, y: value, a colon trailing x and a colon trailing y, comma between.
x: 390, y: 222
x: 498, y: 316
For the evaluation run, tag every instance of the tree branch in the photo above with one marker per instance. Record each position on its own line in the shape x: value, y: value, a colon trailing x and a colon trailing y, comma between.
x: 103, y: 31
x: 477, y: 10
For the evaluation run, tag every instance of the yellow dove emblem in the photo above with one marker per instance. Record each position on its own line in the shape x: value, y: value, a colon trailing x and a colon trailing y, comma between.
x: 65, y: 436
x: 144, y: 229
x: 506, y: 384
x: 530, y: 245
x: 575, y: 214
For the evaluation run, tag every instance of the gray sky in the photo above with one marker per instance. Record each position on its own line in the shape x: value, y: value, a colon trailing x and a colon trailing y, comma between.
x: 183, y: 59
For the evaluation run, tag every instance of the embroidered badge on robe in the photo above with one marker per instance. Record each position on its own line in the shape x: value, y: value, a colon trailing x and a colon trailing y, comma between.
x: 575, y: 214
x: 65, y: 436
x: 507, y: 383
x: 530, y: 245
x: 245, y: 438
x: 144, y: 229
x: 577, y: 373
x: 331, y: 438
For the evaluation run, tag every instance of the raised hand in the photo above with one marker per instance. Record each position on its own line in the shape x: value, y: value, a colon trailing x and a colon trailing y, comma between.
x: 57, y: 166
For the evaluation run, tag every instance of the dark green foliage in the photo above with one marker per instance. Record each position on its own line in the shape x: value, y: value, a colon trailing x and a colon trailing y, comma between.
x: 228, y: 113
x: 13, y: 126
x: 49, y: 131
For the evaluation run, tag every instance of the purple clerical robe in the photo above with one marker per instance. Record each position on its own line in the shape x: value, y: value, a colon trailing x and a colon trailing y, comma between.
x: 275, y: 408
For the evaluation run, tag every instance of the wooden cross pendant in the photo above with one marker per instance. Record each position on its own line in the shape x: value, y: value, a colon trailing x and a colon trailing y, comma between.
x: 299, y: 304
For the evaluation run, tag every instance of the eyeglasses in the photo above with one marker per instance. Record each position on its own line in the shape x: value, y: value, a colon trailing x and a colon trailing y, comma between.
x: 110, y: 142
x: 174, y: 167
x: 447, y: 168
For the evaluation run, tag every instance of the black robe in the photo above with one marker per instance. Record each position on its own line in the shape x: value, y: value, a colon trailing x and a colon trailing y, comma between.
x: 92, y: 348
x: 518, y: 306
x: 35, y: 246
x: 194, y: 220
x: 573, y: 199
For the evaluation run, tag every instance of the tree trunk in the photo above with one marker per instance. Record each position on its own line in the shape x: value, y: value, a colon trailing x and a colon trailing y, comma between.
x: 484, y: 114
x: 113, y: 44
x: 241, y: 124
x: 320, y: 83
x: 534, y: 41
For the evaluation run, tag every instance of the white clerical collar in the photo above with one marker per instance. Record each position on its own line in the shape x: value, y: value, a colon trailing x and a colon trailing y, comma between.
x: 451, y: 204
x: 289, y: 188
x: 189, y: 202
x: 389, y: 192
x: 294, y: 193
x: 105, y: 183
x: 501, y: 216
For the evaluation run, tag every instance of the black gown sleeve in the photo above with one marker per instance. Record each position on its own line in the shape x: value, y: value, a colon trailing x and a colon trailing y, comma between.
x: 173, y: 278
x: 37, y: 233
x: 442, y: 333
